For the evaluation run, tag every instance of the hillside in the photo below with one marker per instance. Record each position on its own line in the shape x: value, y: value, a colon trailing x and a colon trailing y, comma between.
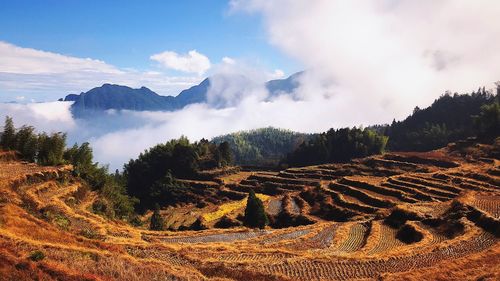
x: 417, y: 216
x: 262, y: 147
x: 449, y: 118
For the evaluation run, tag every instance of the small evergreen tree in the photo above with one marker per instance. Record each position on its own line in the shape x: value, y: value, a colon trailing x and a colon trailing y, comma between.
x: 255, y: 216
x: 226, y: 156
x: 156, y: 220
x: 8, y: 140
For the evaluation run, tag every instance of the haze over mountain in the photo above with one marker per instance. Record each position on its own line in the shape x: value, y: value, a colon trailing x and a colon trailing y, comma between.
x: 110, y: 96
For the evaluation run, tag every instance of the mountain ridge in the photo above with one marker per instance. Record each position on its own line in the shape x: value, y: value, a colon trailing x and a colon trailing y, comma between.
x: 119, y: 97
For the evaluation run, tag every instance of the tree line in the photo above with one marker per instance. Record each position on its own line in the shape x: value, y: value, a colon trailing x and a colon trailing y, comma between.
x: 338, y: 146
x: 51, y: 150
x: 262, y: 147
x: 152, y: 177
x: 448, y: 119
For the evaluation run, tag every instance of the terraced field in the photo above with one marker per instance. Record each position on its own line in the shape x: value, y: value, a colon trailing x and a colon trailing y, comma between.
x: 396, y: 216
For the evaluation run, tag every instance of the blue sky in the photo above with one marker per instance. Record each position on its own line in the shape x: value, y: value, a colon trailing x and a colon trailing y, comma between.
x: 125, y: 34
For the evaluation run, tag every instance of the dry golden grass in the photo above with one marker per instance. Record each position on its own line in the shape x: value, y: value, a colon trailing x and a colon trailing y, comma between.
x: 35, y: 216
x: 228, y: 208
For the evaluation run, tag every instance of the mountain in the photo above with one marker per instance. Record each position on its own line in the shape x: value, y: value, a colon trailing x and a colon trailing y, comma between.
x: 121, y: 97
x: 288, y: 85
x: 118, y: 97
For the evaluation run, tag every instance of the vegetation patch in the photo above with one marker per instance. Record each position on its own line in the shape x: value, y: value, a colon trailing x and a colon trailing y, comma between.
x: 36, y: 256
x: 227, y: 208
x: 409, y: 234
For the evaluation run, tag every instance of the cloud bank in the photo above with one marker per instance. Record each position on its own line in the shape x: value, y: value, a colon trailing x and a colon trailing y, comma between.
x: 385, y: 56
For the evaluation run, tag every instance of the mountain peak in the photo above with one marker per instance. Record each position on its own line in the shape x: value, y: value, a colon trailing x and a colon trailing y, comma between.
x: 112, y: 96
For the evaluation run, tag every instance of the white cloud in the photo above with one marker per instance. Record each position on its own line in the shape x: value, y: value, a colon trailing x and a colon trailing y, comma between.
x: 385, y: 56
x: 228, y: 60
x: 48, y: 76
x: 278, y: 74
x: 49, y: 117
x: 192, y: 62
x: 18, y: 60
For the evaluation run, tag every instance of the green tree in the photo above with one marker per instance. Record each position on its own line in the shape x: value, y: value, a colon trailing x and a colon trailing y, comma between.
x: 255, y: 215
x: 8, y: 139
x: 225, y: 154
x: 488, y: 122
x: 27, y: 143
x: 157, y: 222
x: 51, y: 149
x: 81, y: 157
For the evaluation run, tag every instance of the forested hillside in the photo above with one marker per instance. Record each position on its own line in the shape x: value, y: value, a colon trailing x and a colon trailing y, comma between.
x: 266, y: 146
x: 338, y: 146
x: 448, y: 119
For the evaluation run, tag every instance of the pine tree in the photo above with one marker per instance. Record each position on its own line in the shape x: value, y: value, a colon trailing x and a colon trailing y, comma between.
x: 226, y: 156
x: 255, y: 216
x: 8, y: 140
x: 156, y: 220
x: 27, y: 143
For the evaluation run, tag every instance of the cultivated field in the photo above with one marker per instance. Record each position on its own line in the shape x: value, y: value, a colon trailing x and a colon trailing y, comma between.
x: 410, y: 216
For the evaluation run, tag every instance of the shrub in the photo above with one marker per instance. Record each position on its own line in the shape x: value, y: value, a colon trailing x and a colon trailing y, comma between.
x: 90, y: 233
x: 408, y: 234
x: 136, y: 221
x: 36, y: 256
x: 199, y: 224
x: 157, y: 222
x: 227, y: 222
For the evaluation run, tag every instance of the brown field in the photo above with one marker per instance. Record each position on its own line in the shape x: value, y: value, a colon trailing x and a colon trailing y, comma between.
x: 328, y: 222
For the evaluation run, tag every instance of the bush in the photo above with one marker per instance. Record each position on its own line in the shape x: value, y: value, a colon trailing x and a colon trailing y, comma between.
x: 408, y: 234
x: 136, y: 221
x: 157, y: 222
x: 90, y: 233
x: 227, y: 222
x: 255, y: 215
x: 36, y: 256
x: 199, y: 224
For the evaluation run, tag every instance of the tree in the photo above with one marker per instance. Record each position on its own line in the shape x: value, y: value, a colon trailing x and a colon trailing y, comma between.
x: 81, y: 157
x: 185, y: 160
x: 51, y: 149
x: 156, y: 220
x: 255, y: 216
x: 226, y: 156
x: 27, y: 143
x: 8, y: 140
x: 338, y: 146
x: 488, y: 122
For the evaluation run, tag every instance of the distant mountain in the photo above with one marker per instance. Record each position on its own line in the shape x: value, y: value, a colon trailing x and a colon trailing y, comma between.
x: 71, y: 97
x: 288, y: 85
x: 119, y: 97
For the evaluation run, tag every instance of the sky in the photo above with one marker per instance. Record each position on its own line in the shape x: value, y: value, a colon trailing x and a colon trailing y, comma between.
x: 130, y: 37
x: 365, y: 62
